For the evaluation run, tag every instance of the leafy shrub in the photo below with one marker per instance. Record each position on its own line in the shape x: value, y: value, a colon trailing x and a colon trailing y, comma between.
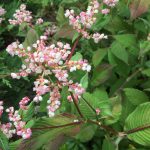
x: 84, y: 74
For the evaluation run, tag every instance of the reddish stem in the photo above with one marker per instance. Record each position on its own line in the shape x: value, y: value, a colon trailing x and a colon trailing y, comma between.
x: 76, y: 105
x: 73, y: 48
x: 60, y: 126
x: 137, y: 129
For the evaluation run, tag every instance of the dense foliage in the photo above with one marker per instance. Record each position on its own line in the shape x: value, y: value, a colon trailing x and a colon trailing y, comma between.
x: 75, y: 74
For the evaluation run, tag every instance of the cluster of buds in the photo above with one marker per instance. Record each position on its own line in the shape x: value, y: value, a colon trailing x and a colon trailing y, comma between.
x: 50, y: 30
x: 110, y: 3
x: 16, y: 125
x: 85, y: 20
x: 53, y: 102
x: 21, y: 16
x: 24, y: 102
x: 77, y: 89
x: 48, y: 61
x: 2, y: 12
x: 41, y: 88
x: 39, y: 21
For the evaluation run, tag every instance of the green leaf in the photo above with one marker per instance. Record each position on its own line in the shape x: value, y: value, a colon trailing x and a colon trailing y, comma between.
x: 127, y: 109
x: 14, y: 145
x: 116, y: 110
x: 108, y: 145
x: 100, y: 74
x: 60, y: 16
x: 27, y: 114
x: 3, y: 141
x: 146, y: 72
x: 140, y: 117
x: 89, y: 130
x: 119, y: 66
x: 144, y: 47
x: 119, y: 51
x: 76, y: 35
x: 41, y: 136
x: 76, y: 57
x: 98, y: 100
x: 84, y: 81
x: 31, y: 38
x: 43, y: 104
x: 135, y: 96
x: 127, y: 40
x: 99, y: 56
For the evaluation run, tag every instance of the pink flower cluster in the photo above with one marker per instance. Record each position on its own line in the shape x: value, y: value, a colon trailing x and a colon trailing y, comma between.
x: 50, y: 30
x: 85, y: 20
x: 2, y: 12
x: 16, y: 125
x: 54, y: 101
x: 21, y: 16
x: 48, y: 61
x: 39, y: 21
x: 23, y: 103
x: 110, y: 3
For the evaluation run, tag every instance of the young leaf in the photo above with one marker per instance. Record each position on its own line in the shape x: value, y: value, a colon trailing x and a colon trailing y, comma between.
x: 84, y: 81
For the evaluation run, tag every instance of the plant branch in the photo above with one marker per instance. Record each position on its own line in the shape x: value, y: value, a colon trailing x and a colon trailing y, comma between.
x: 73, y: 48
x: 76, y: 105
x: 59, y: 126
x: 107, y: 128
x: 137, y: 129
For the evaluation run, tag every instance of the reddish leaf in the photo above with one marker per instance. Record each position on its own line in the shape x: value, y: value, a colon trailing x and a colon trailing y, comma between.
x: 138, y: 7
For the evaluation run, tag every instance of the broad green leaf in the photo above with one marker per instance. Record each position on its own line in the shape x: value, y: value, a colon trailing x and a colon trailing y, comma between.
x: 14, y: 145
x: 84, y: 81
x: 101, y: 21
x: 41, y: 136
x: 127, y: 109
x: 89, y: 130
x: 119, y: 66
x: 116, y: 110
x: 76, y: 57
x: 108, y: 145
x: 146, y: 72
x: 31, y: 38
x: 3, y: 141
x: 100, y: 74
x: 97, y: 100
x: 60, y: 16
x: 127, y: 40
x: 135, y: 96
x: 119, y: 51
x: 140, y: 117
x: 98, y: 56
